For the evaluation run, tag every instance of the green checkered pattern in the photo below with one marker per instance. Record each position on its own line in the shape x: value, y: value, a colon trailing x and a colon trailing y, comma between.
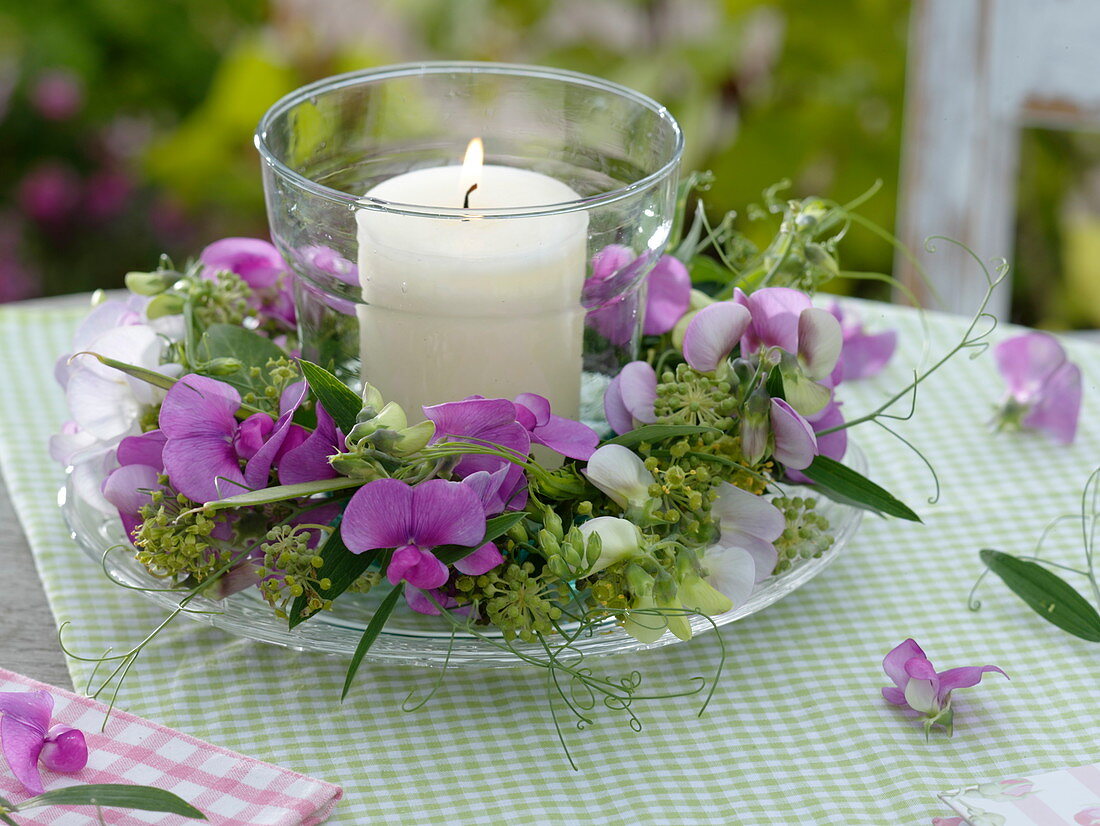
x: 797, y: 731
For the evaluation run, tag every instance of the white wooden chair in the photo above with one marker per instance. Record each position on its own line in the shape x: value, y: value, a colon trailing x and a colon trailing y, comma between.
x: 978, y: 72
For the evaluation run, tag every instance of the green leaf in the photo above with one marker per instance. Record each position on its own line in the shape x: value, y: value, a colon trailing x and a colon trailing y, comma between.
x: 705, y: 271
x: 341, y: 567
x: 148, y: 376
x: 497, y: 526
x: 658, y: 433
x: 841, y: 483
x: 246, y: 346
x: 7, y: 806
x: 774, y: 384
x: 686, y: 248
x: 374, y: 628
x: 1046, y: 593
x: 228, y: 341
x: 280, y: 493
x: 118, y: 796
x: 341, y: 402
x: 500, y: 525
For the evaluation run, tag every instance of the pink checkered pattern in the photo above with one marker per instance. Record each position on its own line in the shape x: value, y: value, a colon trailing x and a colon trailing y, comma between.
x: 229, y: 788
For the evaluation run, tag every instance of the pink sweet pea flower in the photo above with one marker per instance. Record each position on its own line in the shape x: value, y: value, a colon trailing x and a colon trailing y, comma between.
x: 326, y: 264
x: 834, y: 445
x: 1043, y: 387
x: 307, y: 460
x: 262, y: 268
x: 488, y: 422
x: 810, y: 337
x: 713, y: 334
x: 388, y: 513
x: 863, y: 354
x: 948, y: 821
x: 205, y: 444
x: 918, y: 686
x: 1088, y: 817
x: 128, y: 486
x: 614, y: 310
x: 28, y: 739
x: 775, y: 313
x: 565, y: 436
x: 795, y: 441
x: 198, y: 418
x: 629, y: 398
x: 614, y: 269
x: 668, y: 295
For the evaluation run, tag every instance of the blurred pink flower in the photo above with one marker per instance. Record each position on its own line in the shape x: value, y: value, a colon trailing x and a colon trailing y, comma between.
x: 169, y: 222
x: 49, y: 192
x: 108, y: 192
x: 16, y: 282
x: 1088, y: 817
x: 948, y: 821
x: 125, y: 138
x: 864, y: 354
x: 57, y: 94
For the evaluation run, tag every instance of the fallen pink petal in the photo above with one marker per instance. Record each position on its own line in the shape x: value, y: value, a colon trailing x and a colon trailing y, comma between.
x: 1043, y: 388
x: 26, y: 738
x: 919, y: 687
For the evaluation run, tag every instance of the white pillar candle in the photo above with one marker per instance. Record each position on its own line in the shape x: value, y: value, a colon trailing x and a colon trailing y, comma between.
x: 486, y: 306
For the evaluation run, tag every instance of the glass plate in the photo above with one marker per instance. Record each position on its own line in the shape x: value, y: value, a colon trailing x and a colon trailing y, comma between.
x: 410, y: 638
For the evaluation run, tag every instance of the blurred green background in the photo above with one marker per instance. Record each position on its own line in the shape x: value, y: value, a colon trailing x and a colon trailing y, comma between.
x: 125, y: 127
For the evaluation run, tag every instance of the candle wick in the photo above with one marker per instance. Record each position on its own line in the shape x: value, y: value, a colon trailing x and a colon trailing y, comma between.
x: 466, y: 200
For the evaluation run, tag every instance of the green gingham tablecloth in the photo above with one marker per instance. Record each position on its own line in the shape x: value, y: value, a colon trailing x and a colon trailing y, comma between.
x: 797, y: 731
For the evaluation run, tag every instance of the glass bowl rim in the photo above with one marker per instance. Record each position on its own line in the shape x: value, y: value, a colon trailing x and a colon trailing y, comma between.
x: 400, y: 70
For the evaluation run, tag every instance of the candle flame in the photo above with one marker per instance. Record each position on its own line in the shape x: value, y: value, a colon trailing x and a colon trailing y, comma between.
x: 471, y: 165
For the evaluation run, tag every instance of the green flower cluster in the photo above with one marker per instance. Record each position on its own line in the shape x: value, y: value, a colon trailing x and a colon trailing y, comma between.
x: 174, y: 538
x: 222, y: 299
x: 685, y: 396
x: 290, y: 570
x: 806, y: 535
x: 516, y: 598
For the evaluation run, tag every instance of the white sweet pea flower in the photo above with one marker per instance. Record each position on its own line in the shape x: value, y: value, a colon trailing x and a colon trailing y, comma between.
x: 621, y: 474
x: 88, y: 475
x: 820, y: 340
x: 105, y: 317
x: 749, y: 523
x: 729, y: 571
x: 619, y: 539
x: 69, y: 442
x: 106, y: 402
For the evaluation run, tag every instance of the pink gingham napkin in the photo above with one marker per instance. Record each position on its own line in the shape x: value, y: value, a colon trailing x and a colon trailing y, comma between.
x: 229, y: 788
x: 1066, y: 797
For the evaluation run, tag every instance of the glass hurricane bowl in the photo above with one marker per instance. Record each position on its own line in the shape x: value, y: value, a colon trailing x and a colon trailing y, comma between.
x: 383, y: 279
x: 410, y: 638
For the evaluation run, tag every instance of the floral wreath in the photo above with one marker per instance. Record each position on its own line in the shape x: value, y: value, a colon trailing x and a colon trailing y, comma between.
x: 233, y: 463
